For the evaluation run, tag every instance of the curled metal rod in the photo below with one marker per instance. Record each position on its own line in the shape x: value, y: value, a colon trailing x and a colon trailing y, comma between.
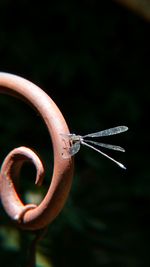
x: 30, y: 216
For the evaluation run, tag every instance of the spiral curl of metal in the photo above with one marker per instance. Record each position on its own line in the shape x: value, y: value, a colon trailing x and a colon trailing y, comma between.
x: 30, y: 216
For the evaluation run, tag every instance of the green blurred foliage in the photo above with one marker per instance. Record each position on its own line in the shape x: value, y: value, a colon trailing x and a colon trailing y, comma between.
x: 93, y: 61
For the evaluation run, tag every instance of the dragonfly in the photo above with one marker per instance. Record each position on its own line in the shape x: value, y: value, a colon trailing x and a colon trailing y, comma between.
x: 75, y: 142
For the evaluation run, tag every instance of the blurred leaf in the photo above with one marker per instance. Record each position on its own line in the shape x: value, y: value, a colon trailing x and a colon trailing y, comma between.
x: 141, y: 7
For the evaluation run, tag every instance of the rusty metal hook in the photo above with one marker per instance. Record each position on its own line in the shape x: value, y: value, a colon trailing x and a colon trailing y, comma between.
x: 30, y: 216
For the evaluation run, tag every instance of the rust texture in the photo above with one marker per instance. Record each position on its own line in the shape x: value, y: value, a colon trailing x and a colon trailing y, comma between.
x: 30, y: 216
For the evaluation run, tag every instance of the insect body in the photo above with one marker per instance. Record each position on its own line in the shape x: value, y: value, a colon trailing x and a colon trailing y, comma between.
x: 75, y: 141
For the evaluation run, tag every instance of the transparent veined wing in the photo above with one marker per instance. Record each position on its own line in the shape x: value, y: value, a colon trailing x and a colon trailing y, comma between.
x: 111, y: 131
x: 104, y: 154
x: 113, y: 147
x: 71, y: 145
x: 74, y: 148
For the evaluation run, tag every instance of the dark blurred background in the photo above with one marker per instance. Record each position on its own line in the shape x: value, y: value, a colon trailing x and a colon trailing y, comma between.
x: 92, y: 58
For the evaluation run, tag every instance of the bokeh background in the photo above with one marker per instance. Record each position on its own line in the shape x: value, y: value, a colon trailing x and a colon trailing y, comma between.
x: 92, y: 58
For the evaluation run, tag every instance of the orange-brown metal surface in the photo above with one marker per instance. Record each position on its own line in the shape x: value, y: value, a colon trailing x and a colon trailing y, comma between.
x: 30, y: 216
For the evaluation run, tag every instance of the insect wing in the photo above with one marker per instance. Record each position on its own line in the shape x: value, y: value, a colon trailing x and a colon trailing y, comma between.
x: 111, y: 131
x: 74, y: 148
x: 113, y: 147
x: 104, y: 154
x: 70, y: 149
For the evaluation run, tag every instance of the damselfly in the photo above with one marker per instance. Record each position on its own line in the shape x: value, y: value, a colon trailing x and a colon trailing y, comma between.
x: 75, y: 141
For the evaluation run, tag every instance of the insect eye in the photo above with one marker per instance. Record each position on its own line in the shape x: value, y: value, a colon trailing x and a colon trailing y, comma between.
x: 73, y: 141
